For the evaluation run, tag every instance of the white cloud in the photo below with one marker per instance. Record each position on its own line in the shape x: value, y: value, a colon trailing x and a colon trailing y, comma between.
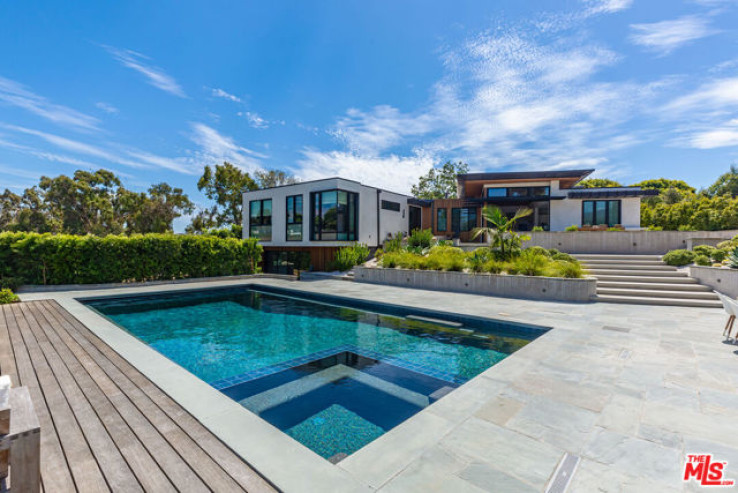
x: 155, y: 75
x: 107, y: 108
x: 216, y: 148
x: 666, y: 36
x: 253, y: 119
x: 394, y: 173
x: 714, y: 95
x: 220, y: 93
x: 16, y: 94
x: 607, y: 6
x: 116, y: 154
x: 725, y: 136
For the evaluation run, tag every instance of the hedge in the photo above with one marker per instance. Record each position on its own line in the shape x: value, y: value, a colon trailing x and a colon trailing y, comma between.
x: 32, y: 258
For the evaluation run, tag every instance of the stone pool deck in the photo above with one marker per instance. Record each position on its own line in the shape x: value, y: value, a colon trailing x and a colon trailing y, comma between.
x: 629, y: 389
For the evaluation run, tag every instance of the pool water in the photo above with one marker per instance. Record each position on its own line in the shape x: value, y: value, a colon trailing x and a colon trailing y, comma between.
x: 332, y: 377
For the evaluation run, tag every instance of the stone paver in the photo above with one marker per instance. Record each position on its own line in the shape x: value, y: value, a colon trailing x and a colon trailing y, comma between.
x: 631, y: 403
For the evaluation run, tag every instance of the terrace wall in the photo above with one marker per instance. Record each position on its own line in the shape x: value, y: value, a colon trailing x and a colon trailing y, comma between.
x: 719, y: 279
x: 529, y: 287
x: 625, y: 242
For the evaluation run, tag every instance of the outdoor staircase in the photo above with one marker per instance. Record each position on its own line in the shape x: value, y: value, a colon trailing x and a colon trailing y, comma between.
x: 645, y: 280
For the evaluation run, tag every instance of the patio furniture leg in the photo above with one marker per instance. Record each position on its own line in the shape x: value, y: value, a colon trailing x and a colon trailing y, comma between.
x: 729, y: 327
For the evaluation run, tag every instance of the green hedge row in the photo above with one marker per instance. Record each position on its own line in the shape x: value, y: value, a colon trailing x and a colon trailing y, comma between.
x: 31, y: 258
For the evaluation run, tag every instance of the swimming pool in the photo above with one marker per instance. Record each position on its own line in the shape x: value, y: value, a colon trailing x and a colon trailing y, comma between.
x: 333, y: 373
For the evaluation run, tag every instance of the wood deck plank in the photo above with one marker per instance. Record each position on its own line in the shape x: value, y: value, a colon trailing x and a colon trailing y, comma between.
x: 115, y: 469
x: 54, y: 467
x: 81, y: 461
x: 104, y: 425
x: 89, y: 376
x: 188, y: 448
x: 248, y: 478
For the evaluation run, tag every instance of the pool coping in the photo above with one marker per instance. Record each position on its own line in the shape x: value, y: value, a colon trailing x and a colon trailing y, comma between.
x: 285, y: 462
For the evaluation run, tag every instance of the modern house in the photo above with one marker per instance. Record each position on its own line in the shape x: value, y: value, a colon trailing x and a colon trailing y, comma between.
x: 302, y: 225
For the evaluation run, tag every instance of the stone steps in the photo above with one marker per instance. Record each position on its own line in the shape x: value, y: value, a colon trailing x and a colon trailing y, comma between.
x: 658, y: 293
x: 641, y: 300
x: 645, y: 280
x: 672, y: 286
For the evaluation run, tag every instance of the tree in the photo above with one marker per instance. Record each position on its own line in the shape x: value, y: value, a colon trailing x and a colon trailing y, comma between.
x: 92, y: 203
x: 155, y: 212
x: 274, y: 178
x: 726, y: 184
x: 598, y: 183
x: 225, y: 185
x: 663, y: 184
x: 440, y: 183
x: 500, y: 229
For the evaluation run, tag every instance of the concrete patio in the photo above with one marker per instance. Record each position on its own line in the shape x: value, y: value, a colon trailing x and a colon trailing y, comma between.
x: 629, y: 389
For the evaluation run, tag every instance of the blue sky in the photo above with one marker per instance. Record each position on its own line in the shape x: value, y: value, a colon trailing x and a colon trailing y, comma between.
x: 375, y: 91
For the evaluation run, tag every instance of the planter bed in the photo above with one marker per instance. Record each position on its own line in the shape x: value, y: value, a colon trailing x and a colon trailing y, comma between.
x: 530, y: 287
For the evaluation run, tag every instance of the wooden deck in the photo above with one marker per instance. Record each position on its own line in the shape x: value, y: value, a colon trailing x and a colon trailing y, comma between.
x: 104, y: 425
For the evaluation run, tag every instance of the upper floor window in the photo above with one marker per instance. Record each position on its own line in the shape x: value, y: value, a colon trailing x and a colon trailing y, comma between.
x: 260, y: 219
x: 294, y: 218
x: 390, y: 206
x: 518, y: 192
x: 597, y: 212
x: 441, y: 219
x: 463, y: 219
x: 334, y: 215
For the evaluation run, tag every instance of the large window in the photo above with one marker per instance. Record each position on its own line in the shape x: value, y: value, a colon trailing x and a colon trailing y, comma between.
x: 596, y: 212
x: 335, y: 216
x: 260, y: 219
x: 294, y: 218
x: 441, y: 219
x: 463, y: 219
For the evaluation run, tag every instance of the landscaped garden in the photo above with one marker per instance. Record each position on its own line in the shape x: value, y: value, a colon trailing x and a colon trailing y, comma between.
x: 504, y: 255
x: 725, y: 254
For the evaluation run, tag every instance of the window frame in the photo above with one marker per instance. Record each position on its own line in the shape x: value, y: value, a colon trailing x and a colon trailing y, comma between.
x: 389, y: 205
x: 467, y: 209
x: 294, y: 211
x: 445, y: 219
x: 608, y: 203
x: 352, y: 203
x: 261, y: 218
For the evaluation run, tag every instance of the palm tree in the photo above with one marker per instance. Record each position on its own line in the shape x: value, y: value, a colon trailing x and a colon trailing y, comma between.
x: 500, y: 228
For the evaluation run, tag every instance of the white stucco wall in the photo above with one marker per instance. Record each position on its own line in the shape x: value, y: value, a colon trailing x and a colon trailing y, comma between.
x: 390, y: 221
x: 566, y: 212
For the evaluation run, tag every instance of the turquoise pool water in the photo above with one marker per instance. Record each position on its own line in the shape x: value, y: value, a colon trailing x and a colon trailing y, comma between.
x: 247, y: 343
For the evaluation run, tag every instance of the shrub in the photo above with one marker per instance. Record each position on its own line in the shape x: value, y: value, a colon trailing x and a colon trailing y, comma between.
x: 729, y: 244
x: 702, y: 260
x: 7, y: 296
x: 393, y: 244
x: 494, y: 266
x: 529, y: 264
x: 565, y: 257
x: 69, y: 259
x: 12, y: 283
x: 571, y: 228
x: 422, y: 238
x: 733, y: 259
x: 678, y: 257
x: 720, y: 254
x: 349, y: 256
x: 705, y: 250
x: 537, y: 250
x: 572, y: 270
x: 552, y: 251
x: 537, y: 229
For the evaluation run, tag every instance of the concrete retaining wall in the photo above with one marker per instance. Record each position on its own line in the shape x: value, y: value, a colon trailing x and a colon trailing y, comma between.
x: 539, y: 288
x: 719, y: 279
x: 626, y: 242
